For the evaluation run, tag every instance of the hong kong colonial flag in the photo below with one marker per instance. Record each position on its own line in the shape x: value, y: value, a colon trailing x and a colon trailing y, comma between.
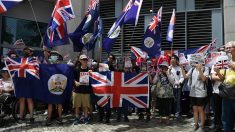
x: 48, y: 83
x: 152, y: 38
x: 117, y: 89
x: 7, y: 4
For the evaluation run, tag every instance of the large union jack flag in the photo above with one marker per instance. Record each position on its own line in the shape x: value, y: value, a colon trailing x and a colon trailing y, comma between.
x: 20, y: 67
x: 62, y: 12
x: 116, y: 89
x: 7, y: 4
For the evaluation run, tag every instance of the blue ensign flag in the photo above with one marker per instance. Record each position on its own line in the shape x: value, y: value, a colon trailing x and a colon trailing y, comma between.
x: 92, y: 15
x: 152, y: 38
x: 129, y: 15
x: 170, y: 32
x: 57, y: 30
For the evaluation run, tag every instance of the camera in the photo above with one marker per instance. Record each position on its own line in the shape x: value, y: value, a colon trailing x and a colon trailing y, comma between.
x: 177, y: 73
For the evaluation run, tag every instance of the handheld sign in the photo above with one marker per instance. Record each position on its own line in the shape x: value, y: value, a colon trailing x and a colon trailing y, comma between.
x: 84, y: 78
x: 196, y: 58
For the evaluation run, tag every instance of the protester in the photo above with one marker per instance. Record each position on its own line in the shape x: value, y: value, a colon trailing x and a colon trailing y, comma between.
x: 12, y: 54
x: 6, y: 85
x: 177, y: 87
x: 53, y: 57
x: 110, y: 62
x: 27, y: 53
x: 228, y: 101
x: 163, y: 82
x: 197, y: 76
x: 81, y: 93
x: 216, y: 98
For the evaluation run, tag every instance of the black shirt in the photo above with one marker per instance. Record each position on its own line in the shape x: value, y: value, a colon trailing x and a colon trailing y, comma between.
x: 82, y: 88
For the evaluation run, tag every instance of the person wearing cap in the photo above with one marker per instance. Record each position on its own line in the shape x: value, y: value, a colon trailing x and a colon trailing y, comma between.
x: 197, y: 77
x: 81, y: 92
x: 163, y: 83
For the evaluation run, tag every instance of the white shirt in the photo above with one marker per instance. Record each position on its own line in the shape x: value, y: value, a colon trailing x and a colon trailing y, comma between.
x: 198, y: 88
x: 178, y: 78
x: 216, y: 84
x: 6, y: 84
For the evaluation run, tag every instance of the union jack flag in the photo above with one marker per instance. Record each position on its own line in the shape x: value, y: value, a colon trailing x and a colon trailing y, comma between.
x: 156, y: 19
x: 222, y: 64
x: 19, y: 67
x: 62, y: 12
x: 6, y: 4
x: 116, y: 89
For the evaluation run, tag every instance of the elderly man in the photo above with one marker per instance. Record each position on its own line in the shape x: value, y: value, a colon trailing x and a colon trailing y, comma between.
x: 229, y: 48
x: 228, y: 77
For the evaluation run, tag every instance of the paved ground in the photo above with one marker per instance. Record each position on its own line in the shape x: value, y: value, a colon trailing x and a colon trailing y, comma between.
x: 134, y: 125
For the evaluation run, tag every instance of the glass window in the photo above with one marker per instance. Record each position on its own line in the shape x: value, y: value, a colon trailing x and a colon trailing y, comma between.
x: 14, y: 29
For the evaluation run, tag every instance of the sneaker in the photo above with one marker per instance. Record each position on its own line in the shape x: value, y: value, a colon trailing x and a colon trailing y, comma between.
x: 86, y: 120
x: 48, y: 122
x: 141, y: 116
x: 148, y: 118
x: 107, y: 121
x: 59, y: 121
x: 45, y: 113
x: 118, y: 119
x: 126, y: 119
x: 20, y: 121
x: 196, y: 127
x: 31, y: 120
x: 76, y: 122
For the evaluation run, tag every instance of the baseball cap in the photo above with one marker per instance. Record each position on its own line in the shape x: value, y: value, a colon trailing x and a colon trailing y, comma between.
x: 83, y: 57
x: 4, y: 69
x: 164, y: 63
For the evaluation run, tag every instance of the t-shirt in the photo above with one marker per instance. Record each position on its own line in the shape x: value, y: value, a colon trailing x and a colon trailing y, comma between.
x: 230, y: 76
x: 177, y: 73
x: 86, y: 89
x: 216, y: 83
x: 6, y: 84
x: 198, y: 87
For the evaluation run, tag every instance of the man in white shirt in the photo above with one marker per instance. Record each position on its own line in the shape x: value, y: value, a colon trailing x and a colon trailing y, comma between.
x: 177, y: 87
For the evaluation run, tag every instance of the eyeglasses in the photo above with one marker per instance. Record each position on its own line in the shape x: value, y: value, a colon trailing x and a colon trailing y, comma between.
x: 84, y: 59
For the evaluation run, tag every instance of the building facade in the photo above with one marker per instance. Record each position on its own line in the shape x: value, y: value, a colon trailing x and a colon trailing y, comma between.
x: 197, y: 23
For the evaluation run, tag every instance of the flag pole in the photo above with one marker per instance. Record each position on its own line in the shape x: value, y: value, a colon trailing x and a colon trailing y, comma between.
x: 35, y: 18
x: 172, y: 45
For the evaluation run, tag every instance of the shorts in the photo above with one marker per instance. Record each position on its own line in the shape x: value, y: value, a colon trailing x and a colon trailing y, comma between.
x: 81, y: 100
x: 197, y: 101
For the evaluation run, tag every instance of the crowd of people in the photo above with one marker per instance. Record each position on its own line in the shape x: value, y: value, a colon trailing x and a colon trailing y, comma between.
x: 175, y: 89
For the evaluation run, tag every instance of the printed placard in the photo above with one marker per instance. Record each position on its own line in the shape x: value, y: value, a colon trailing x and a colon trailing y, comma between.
x: 127, y: 62
x: 84, y: 78
x: 211, y: 58
x: 182, y: 59
x: 196, y: 58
